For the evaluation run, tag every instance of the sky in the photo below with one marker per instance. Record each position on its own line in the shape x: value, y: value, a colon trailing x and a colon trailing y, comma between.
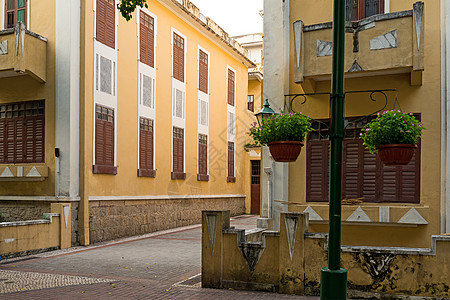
x: 236, y: 17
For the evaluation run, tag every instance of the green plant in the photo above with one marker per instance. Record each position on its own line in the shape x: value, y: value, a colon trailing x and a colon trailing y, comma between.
x: 284, y: 127
x: 391, y: 127
x: 127, y: 7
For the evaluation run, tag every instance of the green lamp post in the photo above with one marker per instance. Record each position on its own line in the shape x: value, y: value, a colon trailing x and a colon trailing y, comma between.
x: 334, y: 278
x: 265, y: 112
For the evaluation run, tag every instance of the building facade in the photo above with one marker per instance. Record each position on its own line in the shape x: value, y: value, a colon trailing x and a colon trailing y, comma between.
x: 399, y: 46
x: 143, y: 123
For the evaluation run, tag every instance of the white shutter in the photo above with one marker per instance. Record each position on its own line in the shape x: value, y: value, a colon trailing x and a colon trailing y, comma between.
x: 230, y: 123
x: 178, y: 103
x: 202, y: 112
x: 106, y: 74
x: 147, y: 91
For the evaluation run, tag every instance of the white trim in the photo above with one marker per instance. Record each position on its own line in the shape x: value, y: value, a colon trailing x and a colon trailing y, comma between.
x: 387, y: 6
x: 231, y: 108
x: 40, y: 198
x: 162, y: 197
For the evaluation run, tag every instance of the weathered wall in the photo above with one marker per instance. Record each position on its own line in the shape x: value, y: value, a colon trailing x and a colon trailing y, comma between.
x: 289, y: 261
x: 115, y: 219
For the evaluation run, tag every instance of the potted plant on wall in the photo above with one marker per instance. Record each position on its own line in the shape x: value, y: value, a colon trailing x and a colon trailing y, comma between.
x: 393, y: 135
x: 284, y: 134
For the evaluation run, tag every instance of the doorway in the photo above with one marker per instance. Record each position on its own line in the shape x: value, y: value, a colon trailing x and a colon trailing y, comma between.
x: 255, y: 187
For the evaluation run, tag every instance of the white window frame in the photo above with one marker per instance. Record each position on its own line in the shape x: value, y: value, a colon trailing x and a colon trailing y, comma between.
x: 28, y: 14
x: 231, y: 108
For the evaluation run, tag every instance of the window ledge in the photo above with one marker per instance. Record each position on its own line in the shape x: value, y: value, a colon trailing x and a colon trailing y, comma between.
x: 146, y: 173
x: 202, y: 177
x: 178, y: 175
x: 29, y: 172
x: 102, y: 169
x: 231, y: 179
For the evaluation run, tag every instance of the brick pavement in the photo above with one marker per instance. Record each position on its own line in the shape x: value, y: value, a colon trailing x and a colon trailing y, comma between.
x: 152, y: 266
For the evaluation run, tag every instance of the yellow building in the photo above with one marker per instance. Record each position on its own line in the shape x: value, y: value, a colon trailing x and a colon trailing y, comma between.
x: 143, y: 122
x: 401, y: 45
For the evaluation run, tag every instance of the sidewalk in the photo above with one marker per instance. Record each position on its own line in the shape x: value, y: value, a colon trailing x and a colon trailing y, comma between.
x: 160, y: 265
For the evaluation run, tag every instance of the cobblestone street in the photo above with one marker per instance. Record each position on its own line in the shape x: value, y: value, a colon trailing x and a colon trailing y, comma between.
x: 160, y: 265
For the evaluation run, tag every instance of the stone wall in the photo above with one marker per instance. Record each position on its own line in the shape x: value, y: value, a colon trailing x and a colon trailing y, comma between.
x: 112, y: 219
x: 14, y: 211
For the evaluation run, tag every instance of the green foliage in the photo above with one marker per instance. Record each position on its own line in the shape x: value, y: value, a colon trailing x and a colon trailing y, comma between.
x: 284, y: 127
x: 127, y: 7
x: 391, y: 127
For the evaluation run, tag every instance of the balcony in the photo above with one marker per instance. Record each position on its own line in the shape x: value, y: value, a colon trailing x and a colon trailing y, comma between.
x: 383, y: 44
x: 23, y: 52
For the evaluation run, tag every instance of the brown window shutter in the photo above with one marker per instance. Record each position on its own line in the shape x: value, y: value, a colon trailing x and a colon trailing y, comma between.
x: 360, y: 9
x: 104, y: 139
x: 10, y: 141
x: 230, y: 159
x: 178, y: 57
x: 106, y: 22
x: 146, y: 144
x: 370, y: 175
x: 231, y: 80
x: 317, y: 170
x: 101, y: 21
x: 352, y: 185
x: 178, y: 140
x: 203, y: 71
x: 146, y: 39
x: 109, y: 143
x: 2, y: 140
x: 203, y: 154
x: 99, y: 142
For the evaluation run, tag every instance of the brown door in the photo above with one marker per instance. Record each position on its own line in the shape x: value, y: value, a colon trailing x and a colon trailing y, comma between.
x: 255, y: 186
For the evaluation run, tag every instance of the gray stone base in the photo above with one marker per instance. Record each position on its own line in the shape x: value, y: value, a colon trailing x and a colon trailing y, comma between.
x: 14, y: 210
x: 266, y: 223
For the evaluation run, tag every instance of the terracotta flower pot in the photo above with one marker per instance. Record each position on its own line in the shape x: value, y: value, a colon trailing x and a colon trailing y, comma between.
x: 285, y: 151
x: 396, y: 154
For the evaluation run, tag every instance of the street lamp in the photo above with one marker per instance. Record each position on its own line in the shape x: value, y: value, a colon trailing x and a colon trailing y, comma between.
x: 265, y: 112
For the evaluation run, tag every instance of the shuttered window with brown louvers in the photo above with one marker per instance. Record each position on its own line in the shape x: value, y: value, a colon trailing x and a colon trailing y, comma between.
x: 22, y: 132
x: 146, y: 39
x: 365, y: 177
x: 202, y: 158
x: 231, y: 80
x: 251, y: 103
x: 231, y: 177
x: 178, y: 57
x: 146, y: 148
x: 15, y: 10
x: 360, y: 9
x: 203, y: 71
x: 178, y: 154
x: 104, y: 141
x: 106, y: 23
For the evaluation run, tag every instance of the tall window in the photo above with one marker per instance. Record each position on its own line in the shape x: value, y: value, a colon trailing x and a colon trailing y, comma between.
x: 365, y: 177
x: 231, y: 177
x: 178, y: 57
x: 104, y: 140
x: 251, y: 103
x: 22, y: 132
x: 203, y: 71
x: 202, y: 158
x: 178, y: 154
x: 106, y: 22
x: 146, y: 39
x: 360, y: 9
x: 16, y: 10
x: 231, y: 79
x: 146, y: 148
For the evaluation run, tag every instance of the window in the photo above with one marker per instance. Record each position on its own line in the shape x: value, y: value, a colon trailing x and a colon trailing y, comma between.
x: 146, y: 39
x: 178, y: 57
x: 22, y: 132
x: 178, y: 154
x: 203, y: 72
x: 231, y: 177
x: 202, y: 158
x: 365, y: 177
x: 230, y: 96
x: 146, y: 148
x: 16, y: 10
x: 106, y: 23
x: 104, y: 140
x: 360, y: 9
x: 251, y: 103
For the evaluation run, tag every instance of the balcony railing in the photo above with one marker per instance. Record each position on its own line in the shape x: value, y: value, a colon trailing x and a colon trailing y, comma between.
x: 378, y: 45
x: 23, y: 52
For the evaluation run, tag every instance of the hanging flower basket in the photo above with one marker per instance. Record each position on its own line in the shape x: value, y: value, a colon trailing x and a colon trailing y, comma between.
x: 396, y: 154
x: 285, y: 151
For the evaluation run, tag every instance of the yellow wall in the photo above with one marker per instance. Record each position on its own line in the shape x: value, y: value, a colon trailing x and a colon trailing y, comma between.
x: 423, y: 99
x: 26, y: 88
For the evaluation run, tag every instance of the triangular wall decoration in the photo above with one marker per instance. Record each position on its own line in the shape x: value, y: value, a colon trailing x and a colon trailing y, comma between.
x: 211, y: 223
x: 324, y: 48
x: 355, y: 67
x: 385, y: 41
x: 7, y: 173
x: 251, y: 252
x: 298, y: 31
x: 413, y: 217
x: 34, y: 173
x: 291, y: 230
x: 418, y: 14
x: 359, y: 216
x: 313, y: 216
x: 66, y: 209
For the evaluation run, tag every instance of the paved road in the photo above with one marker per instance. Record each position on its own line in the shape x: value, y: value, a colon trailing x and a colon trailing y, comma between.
x: 160, y: 265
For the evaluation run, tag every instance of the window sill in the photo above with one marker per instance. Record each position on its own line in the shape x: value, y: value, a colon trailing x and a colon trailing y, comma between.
x: 202, y: 177
x: 29, y: 172
x: 231, y: 179
x: 178, y: 175
x: 102, y: 169
x: 146, y: 173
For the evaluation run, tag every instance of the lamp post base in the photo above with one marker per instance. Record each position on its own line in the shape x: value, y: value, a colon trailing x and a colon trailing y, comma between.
x: 333, y: 284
